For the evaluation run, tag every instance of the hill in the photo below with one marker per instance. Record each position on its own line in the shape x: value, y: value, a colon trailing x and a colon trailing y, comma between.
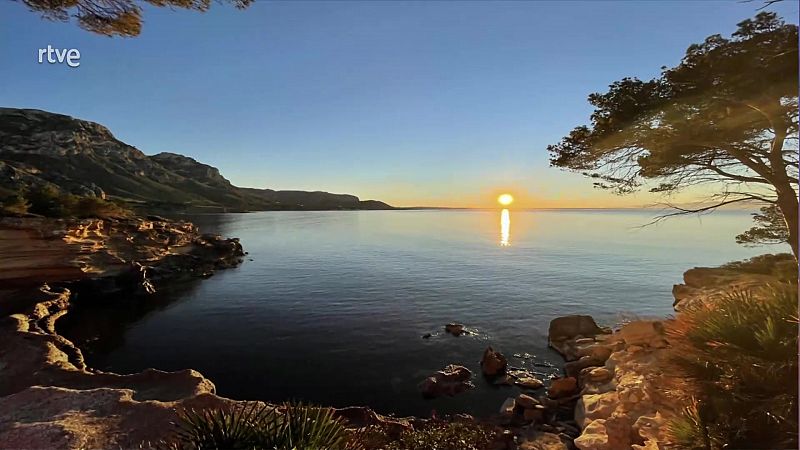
x: 39, y: 148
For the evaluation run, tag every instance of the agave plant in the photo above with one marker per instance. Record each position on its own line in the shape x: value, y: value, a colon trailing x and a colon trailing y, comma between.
x: 258, y: 426
x: 740, y: 355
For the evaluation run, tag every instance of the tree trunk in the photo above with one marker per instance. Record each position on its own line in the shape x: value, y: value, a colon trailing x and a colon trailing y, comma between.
x: 787, y: 197
x: 787, y: 202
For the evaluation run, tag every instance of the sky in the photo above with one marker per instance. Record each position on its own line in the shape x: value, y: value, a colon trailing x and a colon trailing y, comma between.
x: 413, y: 103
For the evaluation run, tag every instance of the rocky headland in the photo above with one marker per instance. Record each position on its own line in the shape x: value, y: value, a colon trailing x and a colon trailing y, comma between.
x: 626, y: 392
x: 41, y: 149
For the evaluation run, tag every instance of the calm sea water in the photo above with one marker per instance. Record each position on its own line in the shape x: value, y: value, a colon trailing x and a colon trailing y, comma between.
x: 330, y: 307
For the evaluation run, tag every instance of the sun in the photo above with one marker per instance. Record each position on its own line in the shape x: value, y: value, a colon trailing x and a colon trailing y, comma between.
x: 505, y: 199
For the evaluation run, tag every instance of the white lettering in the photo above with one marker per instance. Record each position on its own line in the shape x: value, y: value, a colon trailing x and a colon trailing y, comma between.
x: 68, y: 56
x: 73, y: 57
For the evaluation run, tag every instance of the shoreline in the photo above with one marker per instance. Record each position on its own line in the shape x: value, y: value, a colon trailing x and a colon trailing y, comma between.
x: 91, y: 260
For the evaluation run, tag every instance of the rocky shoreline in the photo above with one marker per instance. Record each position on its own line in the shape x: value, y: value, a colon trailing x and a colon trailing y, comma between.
x: 613, y: 395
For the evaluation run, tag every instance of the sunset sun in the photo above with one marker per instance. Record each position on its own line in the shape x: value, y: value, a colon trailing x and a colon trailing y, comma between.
x: 505, y: 199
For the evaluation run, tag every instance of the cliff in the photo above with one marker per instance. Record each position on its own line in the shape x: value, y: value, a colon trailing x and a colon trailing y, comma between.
x: 39, y: 148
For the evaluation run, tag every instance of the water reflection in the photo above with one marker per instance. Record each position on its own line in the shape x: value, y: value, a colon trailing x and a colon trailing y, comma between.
x: 505, y: 228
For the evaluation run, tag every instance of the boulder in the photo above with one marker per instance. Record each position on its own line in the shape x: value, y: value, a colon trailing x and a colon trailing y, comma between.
x: 599, y: 375
x: 526, y: 401
x: 450, y: 381
x: 529, y: 383
x: 593, y: 407
x: 534, y: 414
x: 493, y: 363
x: 643, y: 333
x: 568, y: 327
x: 456, y: 329
x: 568, y: 333
x: 562, y: 387
x: 594, y: 437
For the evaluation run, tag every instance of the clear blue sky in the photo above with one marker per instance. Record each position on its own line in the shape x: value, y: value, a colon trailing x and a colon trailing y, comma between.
x: 415, y: 103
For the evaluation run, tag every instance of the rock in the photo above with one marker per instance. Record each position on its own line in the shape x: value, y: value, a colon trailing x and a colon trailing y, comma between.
x: 456, y: 329
x: 568, y: 333
x: 503, y: 380
x: 450, y: 381
x: 426, y: 336
x: 493, y: 363
x: 529, y: 383
x: 600, y: 375
x: 538, y: 440
x: 568, y: 327
x: 562, y: 387
x: 599, y: 352
x: 573, y: 368
x: 507, y: 408
x: 593, y: 407
x: 534, y: 414
x: 593, y: 437
x: 642, y: 333
x: 526, y: 401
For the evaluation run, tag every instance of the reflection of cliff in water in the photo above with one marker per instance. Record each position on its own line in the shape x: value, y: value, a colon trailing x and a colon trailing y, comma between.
x: 98, y: 326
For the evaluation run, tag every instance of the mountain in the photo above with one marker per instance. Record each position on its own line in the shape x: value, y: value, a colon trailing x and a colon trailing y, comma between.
x: 40, y: 148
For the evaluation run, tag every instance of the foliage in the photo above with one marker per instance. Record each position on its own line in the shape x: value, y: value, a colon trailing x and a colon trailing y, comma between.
x: 442, y: 435
x: 770, y: 228
x: 260, y: 426
x: 725, y: 118
x: 782, y: 266
x: 113, y: 17
x: 14, y: 205
x: 740, y: 357
x: 50, y: 202
x: 97, y: 207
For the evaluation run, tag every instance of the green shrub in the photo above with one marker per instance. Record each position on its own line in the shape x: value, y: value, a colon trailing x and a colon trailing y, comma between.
x: 97, y: 207
x: 48, y: 201
x: 259, y: 426
x: 739, y: 357
x: 782, y: 265
x: 15, y: 204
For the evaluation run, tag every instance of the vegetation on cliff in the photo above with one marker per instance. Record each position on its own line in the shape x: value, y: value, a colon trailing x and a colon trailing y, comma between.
x: 260, y: 426
x: 739, y: 359
x: 48, y: 201
x: 40, y: 150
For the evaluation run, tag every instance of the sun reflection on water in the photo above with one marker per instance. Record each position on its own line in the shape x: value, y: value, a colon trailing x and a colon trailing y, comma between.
x: 505, y: 228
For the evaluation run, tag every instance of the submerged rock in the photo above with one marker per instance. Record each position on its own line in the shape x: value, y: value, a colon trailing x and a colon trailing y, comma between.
x: 493, y: 363
x: 450, y: 381
x: 456, y: 329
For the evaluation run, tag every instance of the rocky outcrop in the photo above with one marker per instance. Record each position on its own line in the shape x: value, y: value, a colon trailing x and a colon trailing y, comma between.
x: 624, y: 395
x: 705, y: 285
